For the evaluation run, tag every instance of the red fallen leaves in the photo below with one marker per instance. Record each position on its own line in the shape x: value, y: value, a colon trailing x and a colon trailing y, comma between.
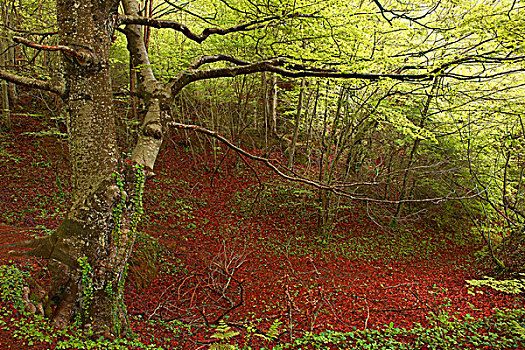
x: 286, y: 275
x: 316, y: 289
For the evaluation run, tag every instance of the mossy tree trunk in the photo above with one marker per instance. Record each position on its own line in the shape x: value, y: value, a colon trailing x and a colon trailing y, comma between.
x: 88, y: 253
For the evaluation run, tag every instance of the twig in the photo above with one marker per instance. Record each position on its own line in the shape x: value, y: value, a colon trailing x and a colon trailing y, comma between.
x: 401, y: 284
x: 367, y: 314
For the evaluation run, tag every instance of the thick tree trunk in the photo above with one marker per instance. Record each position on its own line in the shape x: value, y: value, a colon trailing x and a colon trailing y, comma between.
x: 88, y: 253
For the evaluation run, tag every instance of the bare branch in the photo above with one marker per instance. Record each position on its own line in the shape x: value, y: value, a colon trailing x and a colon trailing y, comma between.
x: 217, y: 58
x: 31, y: 82
x: 82, y: 57
x: 279, y: 66
x: 276, y: 166
x: 160, y: 23
x: 416, y: 19
x: 28, y: 32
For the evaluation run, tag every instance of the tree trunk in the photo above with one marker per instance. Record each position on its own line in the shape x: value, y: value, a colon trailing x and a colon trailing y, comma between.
x: 274, y: 104
x: 88, y: 253
x: 297, y: 121
x: 5, y: 63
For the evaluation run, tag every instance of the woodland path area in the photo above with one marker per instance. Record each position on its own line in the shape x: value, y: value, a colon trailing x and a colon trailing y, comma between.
x: 212, y: 250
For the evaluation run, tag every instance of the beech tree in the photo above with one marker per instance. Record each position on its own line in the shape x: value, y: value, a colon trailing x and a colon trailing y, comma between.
x: 88, y: 253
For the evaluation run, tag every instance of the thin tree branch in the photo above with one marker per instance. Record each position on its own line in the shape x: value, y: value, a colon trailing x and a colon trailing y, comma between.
x: 28, y: 32
x: 217, y: 58
x: 275, y: 166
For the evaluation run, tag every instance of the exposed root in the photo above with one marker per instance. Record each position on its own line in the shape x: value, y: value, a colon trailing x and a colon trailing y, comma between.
x: 38, y: 247
x: 34, y: 308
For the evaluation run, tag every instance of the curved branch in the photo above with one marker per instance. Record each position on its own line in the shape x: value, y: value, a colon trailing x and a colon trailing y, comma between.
x: 416, y: 19
x: 293, y: 70
x: 217, y: 58
x: 276, y: 65
x: 150, y: 134
x: 46, y: 85
x: 28, y: 32
x: 274, y: 165
x: 160, y: 23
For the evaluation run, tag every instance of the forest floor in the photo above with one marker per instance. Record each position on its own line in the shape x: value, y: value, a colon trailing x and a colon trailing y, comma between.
x: 227, y: 249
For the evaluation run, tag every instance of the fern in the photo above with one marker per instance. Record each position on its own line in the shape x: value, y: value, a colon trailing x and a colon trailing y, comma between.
x: 273, y: 331
x: 223, y: 332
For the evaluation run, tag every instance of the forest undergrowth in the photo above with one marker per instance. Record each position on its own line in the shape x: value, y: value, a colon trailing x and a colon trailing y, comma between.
x: 226, y: 262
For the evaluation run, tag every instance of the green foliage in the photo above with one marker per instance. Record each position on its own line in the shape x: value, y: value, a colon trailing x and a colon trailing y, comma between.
x: 12, y: 282
x: 34, y: 329
x: 31, y: 329
x: 175, y: 328
x: 223, y: 333
x: 273, y: 331
x: 511, y: 286
x: 503, y: 330
x: 87, y: 286
x: 86, y: 342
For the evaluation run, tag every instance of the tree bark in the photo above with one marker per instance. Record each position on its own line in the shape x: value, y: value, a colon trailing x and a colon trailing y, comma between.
x: 88, y: 253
